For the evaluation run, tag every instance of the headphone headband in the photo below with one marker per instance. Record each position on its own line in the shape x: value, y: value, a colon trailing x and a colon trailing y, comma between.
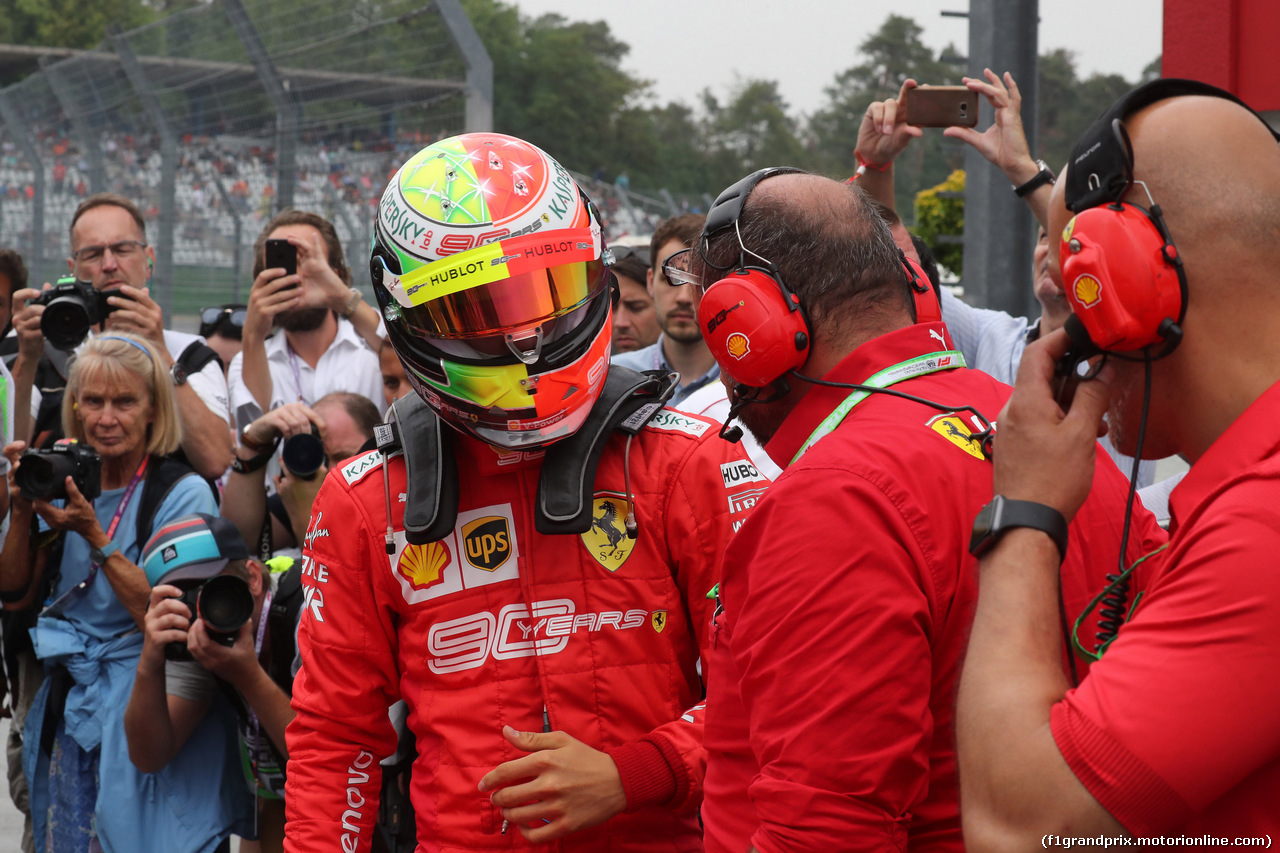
x: 1101, y: 164
x: 727, y: 209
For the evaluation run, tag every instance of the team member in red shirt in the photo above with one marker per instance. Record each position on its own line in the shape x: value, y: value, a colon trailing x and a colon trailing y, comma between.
x: 847, y: 595
x: 1177, y: 286
x: 533, y: 581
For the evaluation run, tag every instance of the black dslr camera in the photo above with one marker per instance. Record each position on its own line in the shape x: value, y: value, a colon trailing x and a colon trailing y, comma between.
x: 303, y: 454
x: 42, y: 474
x: 224, y: 602
x: 71, y: 308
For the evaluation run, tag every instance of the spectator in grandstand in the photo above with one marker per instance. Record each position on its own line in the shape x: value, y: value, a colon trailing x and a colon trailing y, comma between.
x: 327, y: 335
x: 1163, y: 737
x: 992, y: 341
x: 635, y: 322
x: 171, y: 696
x: 395, y: 382
x: 109, y: 249
x: 508, y: 398
x: 844, y: 604
x: 120, y: 403
x: 222, y: 327
x: 344, y: 421
x: 680, y: 348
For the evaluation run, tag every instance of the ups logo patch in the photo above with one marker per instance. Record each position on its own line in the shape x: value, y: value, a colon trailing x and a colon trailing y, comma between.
x: 487, y: 542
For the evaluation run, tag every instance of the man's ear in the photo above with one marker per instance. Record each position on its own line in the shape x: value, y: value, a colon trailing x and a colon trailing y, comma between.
x: 257, y: 577
x: 648, y: 282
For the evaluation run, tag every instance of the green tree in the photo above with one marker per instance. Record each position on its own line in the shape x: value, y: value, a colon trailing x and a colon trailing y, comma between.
x: 890, y: 55
x: 557, y: 83
x: 68, y: 23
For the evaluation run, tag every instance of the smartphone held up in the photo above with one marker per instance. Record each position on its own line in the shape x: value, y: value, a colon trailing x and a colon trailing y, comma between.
x: 282, y: 254
x: 941, y: 106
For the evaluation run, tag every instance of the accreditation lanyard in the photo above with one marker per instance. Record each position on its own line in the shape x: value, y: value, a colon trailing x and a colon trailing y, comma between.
x: 80, y: 588
x: 254, y: 725
x: 923, y: 365
x: 297, y: 374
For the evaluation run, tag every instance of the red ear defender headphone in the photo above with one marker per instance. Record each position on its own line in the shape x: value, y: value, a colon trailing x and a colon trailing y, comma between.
x: 1124, y: 278
x: 1121, y: 271
x: 753, y: 324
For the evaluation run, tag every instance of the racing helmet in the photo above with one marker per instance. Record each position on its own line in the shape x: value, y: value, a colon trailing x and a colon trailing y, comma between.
x: 489, y: 268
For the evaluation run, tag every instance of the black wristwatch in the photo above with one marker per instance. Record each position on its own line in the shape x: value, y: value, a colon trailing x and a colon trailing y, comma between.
x: 100, y: 555
x: 178, y: 373
x: 1044, y: 176
x: 1002, y: 515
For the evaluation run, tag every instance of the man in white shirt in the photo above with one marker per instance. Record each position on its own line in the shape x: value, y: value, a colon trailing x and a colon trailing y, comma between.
x: 109, y: 250
x: 327, y: 335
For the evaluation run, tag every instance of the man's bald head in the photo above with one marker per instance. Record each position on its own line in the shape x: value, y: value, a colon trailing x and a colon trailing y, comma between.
x: 1214, y: 169
x: 830, y: 247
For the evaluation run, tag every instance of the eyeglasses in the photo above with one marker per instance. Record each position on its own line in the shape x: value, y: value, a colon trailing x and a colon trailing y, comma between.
x: 228, y: 319
x: 621, y: 253
x: 235, y: 316
x: 123, y: 249
x: 676, y: 268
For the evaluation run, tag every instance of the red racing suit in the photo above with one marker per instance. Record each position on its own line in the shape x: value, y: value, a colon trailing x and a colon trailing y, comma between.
x: 497, y: 622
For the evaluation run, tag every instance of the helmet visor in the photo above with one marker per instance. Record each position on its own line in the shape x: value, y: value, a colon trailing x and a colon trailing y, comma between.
x: 510, y: 285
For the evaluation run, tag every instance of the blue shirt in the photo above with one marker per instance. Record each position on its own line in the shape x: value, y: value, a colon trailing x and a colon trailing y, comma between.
x: 97, y: 612
x: 993, y: 342
x: 653, y: 358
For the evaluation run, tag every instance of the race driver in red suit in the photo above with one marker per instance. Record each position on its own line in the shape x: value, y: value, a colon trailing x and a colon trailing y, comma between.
x: 849, y: 592
x: 552, y: 678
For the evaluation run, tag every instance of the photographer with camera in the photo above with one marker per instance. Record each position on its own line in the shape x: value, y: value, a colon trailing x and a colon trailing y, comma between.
x: 307, y: 331
x: 111, y: 267
x: 215, y: 619
x: 121, y: 417
x: 308, y: 441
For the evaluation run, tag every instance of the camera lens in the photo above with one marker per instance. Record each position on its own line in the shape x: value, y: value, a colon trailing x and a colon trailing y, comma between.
x: 41, y: 475
x: 225, y: 604
x: 302, y: 454
x: 65, y: 322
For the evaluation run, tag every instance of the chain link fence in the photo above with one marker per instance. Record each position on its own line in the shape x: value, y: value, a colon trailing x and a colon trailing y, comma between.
x: 216, y: 117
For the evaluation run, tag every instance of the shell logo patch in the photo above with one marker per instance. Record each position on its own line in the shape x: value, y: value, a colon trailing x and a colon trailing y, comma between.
x: 487, y: 542
x: 1087, y: 291
x: 423, y: 565
x: 956, y: 431
x: 737, y: 345
x: 606, y: 540
x: 658, y: 619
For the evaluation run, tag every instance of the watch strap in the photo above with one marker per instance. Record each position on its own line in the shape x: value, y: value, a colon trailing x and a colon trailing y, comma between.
x: 1002, y: 515
x: 257, y: 463
x: 100, y: 555
x: 1042, y: 177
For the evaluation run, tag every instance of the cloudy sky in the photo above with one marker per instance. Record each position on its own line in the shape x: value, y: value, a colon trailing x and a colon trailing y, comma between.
x: 683, y: 46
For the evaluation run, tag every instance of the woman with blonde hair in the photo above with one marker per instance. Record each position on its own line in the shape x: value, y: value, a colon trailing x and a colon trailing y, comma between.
x: 121, y: 419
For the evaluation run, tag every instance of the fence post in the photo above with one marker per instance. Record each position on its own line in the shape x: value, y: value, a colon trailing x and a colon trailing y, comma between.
x: 479, y: 65
x: 288, y: 111
x: 168, y: 170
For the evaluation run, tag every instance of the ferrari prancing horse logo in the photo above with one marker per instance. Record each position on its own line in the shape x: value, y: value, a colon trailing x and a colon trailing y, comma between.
x: 606, y: 540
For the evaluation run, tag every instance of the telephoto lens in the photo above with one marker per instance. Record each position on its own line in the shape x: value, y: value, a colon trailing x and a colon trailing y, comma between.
x: 303, y: 454
x: 225, y: 603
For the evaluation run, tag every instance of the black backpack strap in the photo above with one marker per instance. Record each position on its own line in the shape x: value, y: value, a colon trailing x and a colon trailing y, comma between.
x: 282, y: 624
x: 430, y: 468
x: 163, y: 472
x: 196, y: 356
x: 627, y: 402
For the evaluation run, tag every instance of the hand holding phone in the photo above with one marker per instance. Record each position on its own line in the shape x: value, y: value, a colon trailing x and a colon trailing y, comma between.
x: 941, y: 106
x: 283, y: 254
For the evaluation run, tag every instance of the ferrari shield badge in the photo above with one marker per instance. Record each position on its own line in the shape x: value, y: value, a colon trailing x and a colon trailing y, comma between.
x: 959, y: 433
x: 607, y: 539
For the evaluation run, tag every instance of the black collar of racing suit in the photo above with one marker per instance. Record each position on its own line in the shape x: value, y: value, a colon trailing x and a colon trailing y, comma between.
x: 627, y: 402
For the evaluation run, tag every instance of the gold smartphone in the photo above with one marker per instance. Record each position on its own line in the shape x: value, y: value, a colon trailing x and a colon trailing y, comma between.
x: 941, y: 106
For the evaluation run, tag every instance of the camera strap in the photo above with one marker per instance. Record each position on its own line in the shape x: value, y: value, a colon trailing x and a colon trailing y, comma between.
x: 297, y: 374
